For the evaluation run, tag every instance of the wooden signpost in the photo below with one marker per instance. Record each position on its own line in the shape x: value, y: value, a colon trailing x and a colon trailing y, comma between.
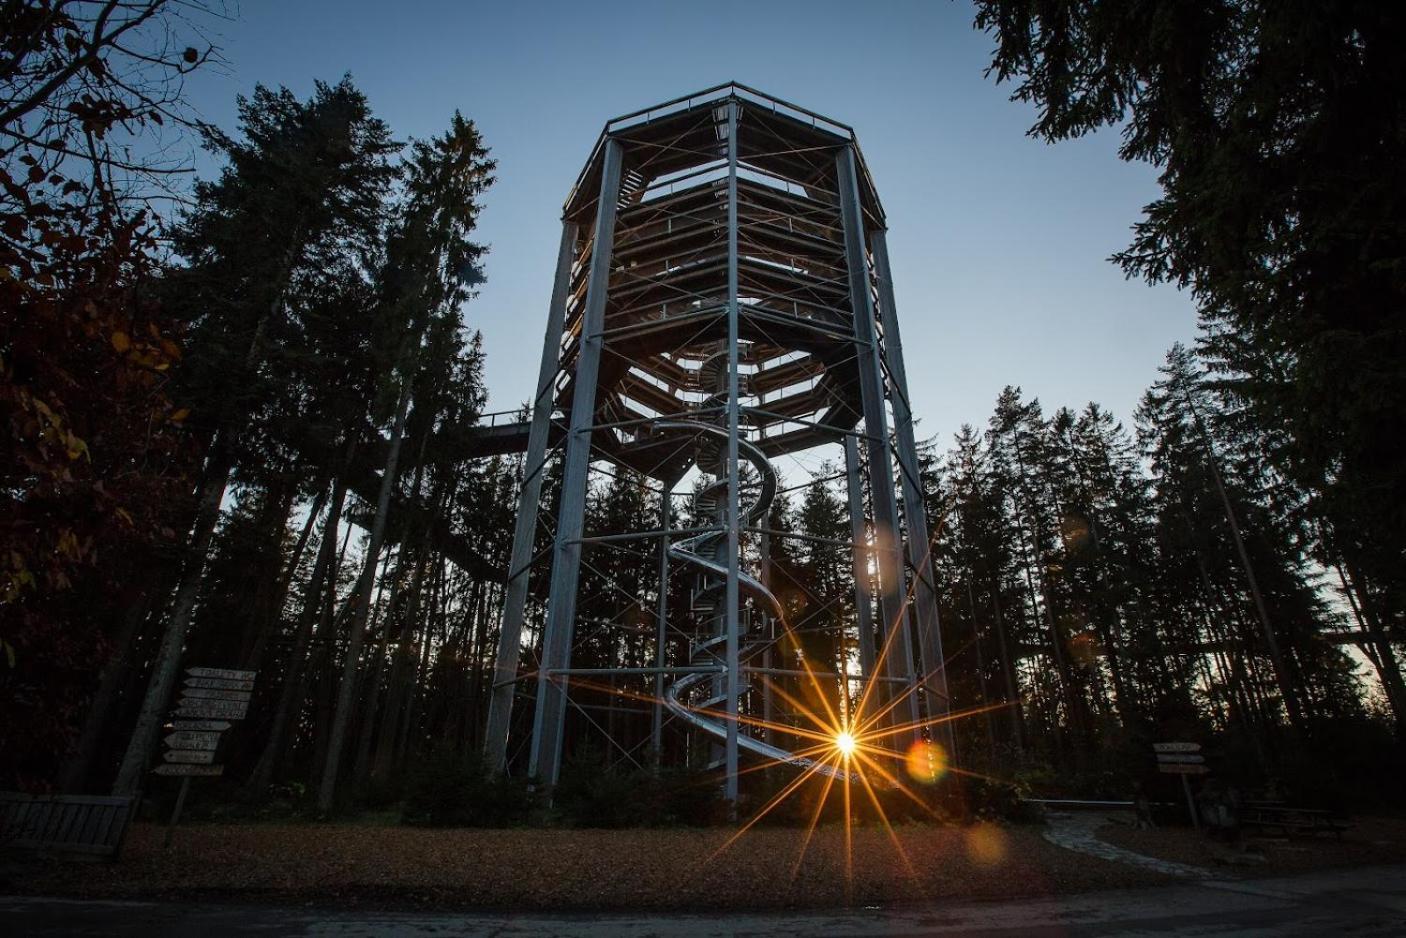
x: 227, y: 674
x: 213, y: 709
x: 199, y: 725
x: 186, y: 772
x: 219, y: 683
x: 186, y: 739
x: 1182, y: 759
x: 210, y: 699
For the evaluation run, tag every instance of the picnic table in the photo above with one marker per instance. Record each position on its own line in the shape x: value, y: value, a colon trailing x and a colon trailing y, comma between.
x: 1291, y: 820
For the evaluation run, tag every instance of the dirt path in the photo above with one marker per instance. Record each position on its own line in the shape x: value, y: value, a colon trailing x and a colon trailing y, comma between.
x: 1369, y: 840
x: 1080, y: 833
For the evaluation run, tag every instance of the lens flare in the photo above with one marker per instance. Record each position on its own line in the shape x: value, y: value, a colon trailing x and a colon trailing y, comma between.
x: 986, y: 844
x: 926, y: 762
x: 844, y: 742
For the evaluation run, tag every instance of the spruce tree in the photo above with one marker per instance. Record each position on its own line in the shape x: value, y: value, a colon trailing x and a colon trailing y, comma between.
x: 303, y: 184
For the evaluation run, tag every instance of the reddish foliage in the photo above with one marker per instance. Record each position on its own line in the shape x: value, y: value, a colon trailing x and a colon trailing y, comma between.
x: 97, y: 469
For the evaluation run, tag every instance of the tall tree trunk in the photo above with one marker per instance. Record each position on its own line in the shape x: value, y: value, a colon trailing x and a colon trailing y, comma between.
x: 271, y: 527
x: 75, y: 779
x: 1017, y: 707
x: 1287, y: 690
x: 290, y: 695
x: 418, y: 688
x: 131, y: 776
x: 346, y: 693
x: 1384, y: 659
x: 324, y: 658
x: 381, y: 761
x: 386, y: 616
x: 1072, y: 698
x: 476, y: 621
x: 401, y: 674
x: 986, y: 706
x: 254, y: 659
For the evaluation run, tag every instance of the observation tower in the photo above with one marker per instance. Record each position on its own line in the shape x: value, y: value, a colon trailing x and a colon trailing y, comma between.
x: 722, y: 301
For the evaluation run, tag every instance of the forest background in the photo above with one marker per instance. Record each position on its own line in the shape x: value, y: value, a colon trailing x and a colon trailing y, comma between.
x: 231, y: 412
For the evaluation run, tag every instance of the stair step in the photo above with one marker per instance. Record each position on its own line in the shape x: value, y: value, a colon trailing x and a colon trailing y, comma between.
x: 707, y: 645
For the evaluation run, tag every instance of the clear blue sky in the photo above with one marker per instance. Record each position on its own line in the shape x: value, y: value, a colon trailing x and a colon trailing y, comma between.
x: 999, y: 243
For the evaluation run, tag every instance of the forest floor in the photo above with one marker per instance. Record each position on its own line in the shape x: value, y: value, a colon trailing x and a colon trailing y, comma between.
x: 643, y: 870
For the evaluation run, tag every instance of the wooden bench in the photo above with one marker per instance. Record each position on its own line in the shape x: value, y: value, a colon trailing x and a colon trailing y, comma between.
x: 1291, y: 820
x: 92, y: 825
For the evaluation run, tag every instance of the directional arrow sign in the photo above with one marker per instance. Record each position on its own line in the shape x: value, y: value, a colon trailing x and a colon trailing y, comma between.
x: 1176, y: 747
x: 222, y: 709
x: 225, y: 673
x: 190, y: 770
x: 1174, y: 768
x: 183, y: 739
x: 218, y: 709
x: 225, y: 706
x: 218, y: 683
x: 207, y: 725
x: 207, y: 694
x: 1185, y: 759
x: 195, y: 756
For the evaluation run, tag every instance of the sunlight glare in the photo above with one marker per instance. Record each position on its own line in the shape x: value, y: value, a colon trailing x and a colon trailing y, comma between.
x: 986, y: 844
x: 926, y: 762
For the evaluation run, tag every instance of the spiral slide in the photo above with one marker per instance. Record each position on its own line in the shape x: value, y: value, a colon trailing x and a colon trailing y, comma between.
x: 707, y: 552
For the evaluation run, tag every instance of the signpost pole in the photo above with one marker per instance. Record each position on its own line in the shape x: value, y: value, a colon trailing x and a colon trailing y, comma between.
x: 176, y: 812
x: 210, y: 699
x: 1191, y: 804
x: 1183, y: 759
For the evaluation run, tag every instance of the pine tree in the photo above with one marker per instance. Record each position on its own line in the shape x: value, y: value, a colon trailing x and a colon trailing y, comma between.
x: 303, y: 184
x: 1277, y: 131
x: 430, y: 269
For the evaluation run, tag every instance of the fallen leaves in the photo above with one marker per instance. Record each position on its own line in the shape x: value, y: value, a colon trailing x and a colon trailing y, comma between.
x: 579, y: 869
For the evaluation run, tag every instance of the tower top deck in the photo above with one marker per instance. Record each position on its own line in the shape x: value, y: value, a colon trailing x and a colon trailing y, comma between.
x: 723, y: 202
x: 778, y: 124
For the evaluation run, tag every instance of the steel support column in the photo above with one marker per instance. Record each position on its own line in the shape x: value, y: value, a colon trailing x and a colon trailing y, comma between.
x: 919, y: 548
x: 505, y: 663
x: 859, y: 535
x: 732, y: 608
x: 545, y: 759
x: 661, y: 637
x: 768, y: 691
x: 897, y: 653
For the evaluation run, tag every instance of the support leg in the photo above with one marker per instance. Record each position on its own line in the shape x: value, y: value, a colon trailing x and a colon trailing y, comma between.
x: 732, y: 608
x: 505, y: 663
x: 898, y: 650
x: 918, y: 547
x: 544, y: 761
x: 863, y: 598
x: 661, y: 637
